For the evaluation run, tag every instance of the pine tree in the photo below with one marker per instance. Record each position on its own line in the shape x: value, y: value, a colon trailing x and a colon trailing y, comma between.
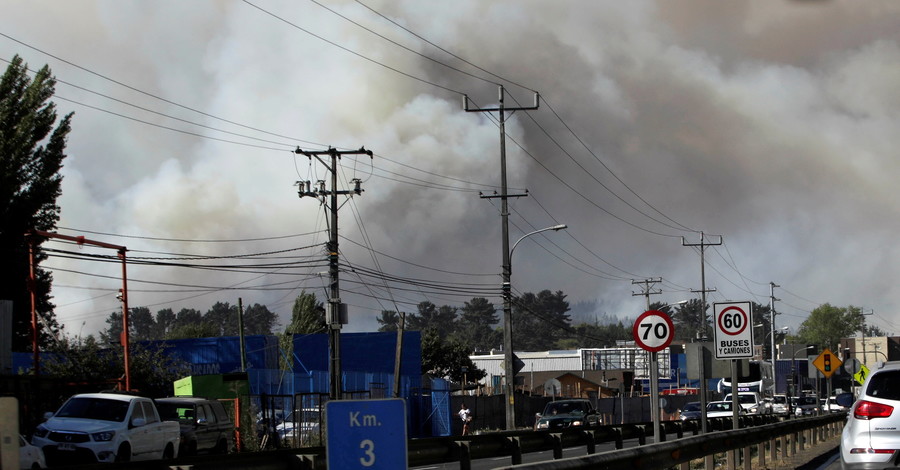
x: 31, y: 155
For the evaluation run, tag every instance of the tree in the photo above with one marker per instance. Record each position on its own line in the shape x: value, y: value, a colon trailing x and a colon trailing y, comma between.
x: 31, y: 155
x: 540, y: 321
x: 85, y: 361
x: 445, y: 358
x: 431, y: 316
x: 477, y: 319
x: 389, y: 321
x: 224, y: 317
x: 826, y: 325
x: 258, y: 320
x: 307, y: 316
x: 690, y: 320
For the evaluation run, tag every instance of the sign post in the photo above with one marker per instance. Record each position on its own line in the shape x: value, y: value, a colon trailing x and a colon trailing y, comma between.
x: 653, y: 331
x: 733, y: 340
x: 366, y: 434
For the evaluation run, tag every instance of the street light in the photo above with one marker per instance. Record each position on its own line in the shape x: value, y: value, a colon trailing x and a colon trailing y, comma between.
x: 794, y: 380
x: 508, y: 365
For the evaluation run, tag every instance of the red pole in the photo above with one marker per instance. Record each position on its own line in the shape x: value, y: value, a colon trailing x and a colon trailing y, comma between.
x: 125, y: 321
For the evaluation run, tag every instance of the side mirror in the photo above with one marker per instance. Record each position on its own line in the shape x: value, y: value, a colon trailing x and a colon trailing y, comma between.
x: 845, y: 400
x: 202, y: 422
x: 138, y: 422
x: 48, y: 415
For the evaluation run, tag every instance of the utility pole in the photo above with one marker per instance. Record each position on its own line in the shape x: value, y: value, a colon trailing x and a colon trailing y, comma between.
x: 652, y: 364
x: 509, y: 385
x: 772, y: 312
x: 703, y: 290
x: 336, y: 313
x: 863, y: 312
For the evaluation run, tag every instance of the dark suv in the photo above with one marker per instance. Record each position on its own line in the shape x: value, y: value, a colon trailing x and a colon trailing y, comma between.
x: 568, y: 413
x: 205, y: 425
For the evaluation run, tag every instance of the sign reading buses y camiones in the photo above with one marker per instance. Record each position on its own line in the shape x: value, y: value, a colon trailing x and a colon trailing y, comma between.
x: 733, y: 330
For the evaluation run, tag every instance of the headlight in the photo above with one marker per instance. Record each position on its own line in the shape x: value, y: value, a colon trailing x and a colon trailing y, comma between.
x: 542, y: 425
x: 577, y: 423
x: 40, y: 431
x: 103, y: 436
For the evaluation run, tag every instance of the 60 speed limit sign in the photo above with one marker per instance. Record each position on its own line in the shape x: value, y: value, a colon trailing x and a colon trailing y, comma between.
x: 733, y: 332
x: 653, y: 330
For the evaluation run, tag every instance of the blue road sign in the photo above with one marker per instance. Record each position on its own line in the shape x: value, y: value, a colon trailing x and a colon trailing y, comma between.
x: 366, y: 434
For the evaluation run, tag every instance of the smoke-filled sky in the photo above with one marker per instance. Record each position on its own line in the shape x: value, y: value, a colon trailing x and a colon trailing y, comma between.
x: 771, y: 126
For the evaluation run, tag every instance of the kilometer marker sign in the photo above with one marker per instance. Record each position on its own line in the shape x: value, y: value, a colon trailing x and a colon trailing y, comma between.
x: 653, y: 330
x: 733, y: 332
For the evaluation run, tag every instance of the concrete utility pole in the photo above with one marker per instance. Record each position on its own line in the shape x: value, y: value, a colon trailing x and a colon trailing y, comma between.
x: 652, y: 365
x: 509, y: 383
x: 337, y: 312
x: 772, y: 312
x: 703, y: 290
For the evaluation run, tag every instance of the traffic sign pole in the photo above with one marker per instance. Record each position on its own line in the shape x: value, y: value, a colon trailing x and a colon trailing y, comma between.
x: 653, y: 331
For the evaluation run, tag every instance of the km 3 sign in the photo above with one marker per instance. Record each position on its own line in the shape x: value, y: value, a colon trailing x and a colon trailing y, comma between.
x: 733, y: 332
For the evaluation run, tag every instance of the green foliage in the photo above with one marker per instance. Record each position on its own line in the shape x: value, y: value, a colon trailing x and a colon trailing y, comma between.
x: 220, y: 320
x: 389, y: 321
x: 477, y: 319
x: 689, y: 320
x: 445, y: 357
x: 540, y: 321
x: 31, y: 155
x: 307, y: 317
x: 152, y: 370
x: 827, y: 324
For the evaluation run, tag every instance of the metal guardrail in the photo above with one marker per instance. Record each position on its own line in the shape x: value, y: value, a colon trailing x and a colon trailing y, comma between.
x: 514, y: 444
x: 791, y: 433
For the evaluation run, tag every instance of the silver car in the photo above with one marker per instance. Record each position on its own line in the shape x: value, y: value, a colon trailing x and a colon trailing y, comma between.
x: 871, y: 437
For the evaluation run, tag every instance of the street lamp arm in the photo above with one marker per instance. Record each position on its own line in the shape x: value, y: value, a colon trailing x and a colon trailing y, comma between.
x: 555, y: 227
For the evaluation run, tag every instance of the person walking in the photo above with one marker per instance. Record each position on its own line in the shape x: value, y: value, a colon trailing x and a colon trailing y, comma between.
x: 466, y: 416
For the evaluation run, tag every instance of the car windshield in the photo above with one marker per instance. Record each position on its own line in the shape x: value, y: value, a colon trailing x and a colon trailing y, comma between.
x: 562, y: 408
x: 746, y: 399
x: 94, y: 408
x: 692, y: 406
x: 780, y: 399
x: 172, y: 412
x: 883, y: 385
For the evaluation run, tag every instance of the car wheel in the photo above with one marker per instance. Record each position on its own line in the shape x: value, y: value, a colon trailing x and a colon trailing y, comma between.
x: 169, y: 452
x: 221, y: 447
x: 124, y: 453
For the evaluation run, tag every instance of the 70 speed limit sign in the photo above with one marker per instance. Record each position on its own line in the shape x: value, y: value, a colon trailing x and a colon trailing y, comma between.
x: 733, y: 330
x: 653, y: 331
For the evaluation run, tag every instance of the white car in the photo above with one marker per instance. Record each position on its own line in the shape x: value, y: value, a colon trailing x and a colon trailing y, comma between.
x: 871, y: 436
x: 779, y: 404
x: 301, y: 428
x: 30, y: 457
x: 721, y: 409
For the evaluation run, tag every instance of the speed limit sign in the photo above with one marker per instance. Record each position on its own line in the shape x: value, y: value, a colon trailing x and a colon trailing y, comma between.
x: 653, y: 330
x: 733, y: 332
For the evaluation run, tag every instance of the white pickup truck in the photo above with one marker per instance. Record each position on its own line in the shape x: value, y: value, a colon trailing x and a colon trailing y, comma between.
x: 106, y: 427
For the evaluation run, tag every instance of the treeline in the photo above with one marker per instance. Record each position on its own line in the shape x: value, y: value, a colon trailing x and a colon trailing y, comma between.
x: 540, y: 322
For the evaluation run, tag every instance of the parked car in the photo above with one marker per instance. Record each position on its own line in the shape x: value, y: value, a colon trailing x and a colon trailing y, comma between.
x: 721, y: 409
x: 106, y: 427
x: 568, y: 413
x: 205, y: 425
x: 871, y: 434
x: 804, y: 406
x: 691, y: 410
x: 30, y: 457
x: 301, y: 428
